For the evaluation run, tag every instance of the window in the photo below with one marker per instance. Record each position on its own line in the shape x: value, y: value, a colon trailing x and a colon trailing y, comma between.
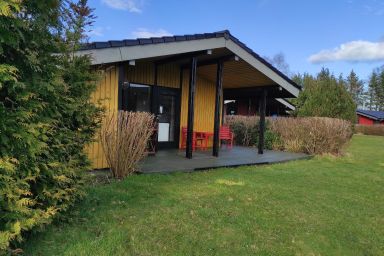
x: 139, y: 98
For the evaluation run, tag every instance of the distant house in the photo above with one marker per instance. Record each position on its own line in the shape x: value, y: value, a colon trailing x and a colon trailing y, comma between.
x: 370, y: 117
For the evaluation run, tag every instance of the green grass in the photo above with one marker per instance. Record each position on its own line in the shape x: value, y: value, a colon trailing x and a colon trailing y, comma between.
x: 322, y: 206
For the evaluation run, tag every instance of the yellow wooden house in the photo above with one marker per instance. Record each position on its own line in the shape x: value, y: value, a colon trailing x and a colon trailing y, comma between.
x: 181, y: 79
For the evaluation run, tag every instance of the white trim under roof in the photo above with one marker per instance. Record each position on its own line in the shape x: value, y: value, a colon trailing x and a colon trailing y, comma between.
x: 286, y: 103
x: 126, y: 53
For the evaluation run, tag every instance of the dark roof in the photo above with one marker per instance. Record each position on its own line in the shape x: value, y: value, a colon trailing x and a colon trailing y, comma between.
x: 166, y: 39
x: 376, y: 115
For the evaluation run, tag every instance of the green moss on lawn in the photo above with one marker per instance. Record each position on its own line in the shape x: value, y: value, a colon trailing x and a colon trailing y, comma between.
x: 322, y: 206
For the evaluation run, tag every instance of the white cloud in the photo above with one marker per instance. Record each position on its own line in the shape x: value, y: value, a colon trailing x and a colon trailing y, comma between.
x: 354, y: 51
x: 127, y: 5
x: 145, y: 33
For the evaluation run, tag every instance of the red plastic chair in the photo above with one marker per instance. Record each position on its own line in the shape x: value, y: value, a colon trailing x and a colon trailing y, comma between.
x: 225, y: 134
x: 195, y: 140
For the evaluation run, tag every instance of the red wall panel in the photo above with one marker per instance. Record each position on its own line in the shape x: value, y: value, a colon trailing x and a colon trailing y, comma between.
x: 365, y: 120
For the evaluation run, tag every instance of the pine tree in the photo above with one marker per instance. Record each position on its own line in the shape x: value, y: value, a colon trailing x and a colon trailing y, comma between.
x: 355, y: 87
x: 380, y: 89
x: 342, y: 82
x: 373, y: 85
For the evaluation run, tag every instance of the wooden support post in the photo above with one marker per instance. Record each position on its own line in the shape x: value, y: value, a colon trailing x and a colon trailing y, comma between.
x: 262, y: 107
x: 219, y: 89
x: 155, y: 92
x: 191, y: 106
x: 120, y: 86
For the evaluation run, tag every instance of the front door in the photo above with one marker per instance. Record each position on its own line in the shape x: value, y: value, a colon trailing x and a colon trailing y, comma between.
x: 168, y: 117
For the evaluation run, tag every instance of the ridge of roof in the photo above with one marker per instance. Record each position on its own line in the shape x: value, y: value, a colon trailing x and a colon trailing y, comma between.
x: 152, y: 40
x: 188, y: 37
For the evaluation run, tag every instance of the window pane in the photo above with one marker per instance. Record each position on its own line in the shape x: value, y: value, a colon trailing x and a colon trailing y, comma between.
x: 139, y: 97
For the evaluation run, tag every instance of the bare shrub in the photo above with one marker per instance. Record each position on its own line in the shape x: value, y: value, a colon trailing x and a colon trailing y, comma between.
x: 376, y: 129
x: 124, y: 138
x: 245, y: 128
x: 312, y: 135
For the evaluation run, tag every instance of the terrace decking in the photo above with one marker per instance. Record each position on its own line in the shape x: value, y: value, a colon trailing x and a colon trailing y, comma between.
x: 172, y: 160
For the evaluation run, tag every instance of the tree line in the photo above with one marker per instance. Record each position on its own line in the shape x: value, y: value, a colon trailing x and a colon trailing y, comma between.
x: 326, y: 95
x: 370, y: 97
x: 366, y: 95
x: 374, y: 96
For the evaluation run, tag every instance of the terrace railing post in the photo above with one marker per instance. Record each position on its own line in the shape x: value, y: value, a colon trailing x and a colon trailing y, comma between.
x: 191, y: 106
x: 219, y: 89
x: 262, y: 107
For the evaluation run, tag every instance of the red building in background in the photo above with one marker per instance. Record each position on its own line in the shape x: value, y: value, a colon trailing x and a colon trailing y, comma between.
x: 370, y: 117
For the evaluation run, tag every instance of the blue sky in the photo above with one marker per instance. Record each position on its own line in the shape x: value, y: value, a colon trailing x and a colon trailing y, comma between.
x: 339, y: 34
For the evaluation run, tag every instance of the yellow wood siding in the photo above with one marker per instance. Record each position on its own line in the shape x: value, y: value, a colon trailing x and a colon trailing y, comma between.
x: 168, y: 76
x: 204, y: 104
x: 106, y: 95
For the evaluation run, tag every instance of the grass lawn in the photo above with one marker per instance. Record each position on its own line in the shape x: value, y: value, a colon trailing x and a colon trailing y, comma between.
x: 322, y: 206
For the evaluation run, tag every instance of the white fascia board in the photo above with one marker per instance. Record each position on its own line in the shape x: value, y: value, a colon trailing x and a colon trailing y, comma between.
x: 102, y: 56
x: 286, y: 103
x: 247, y: 57
x: 125, y: 53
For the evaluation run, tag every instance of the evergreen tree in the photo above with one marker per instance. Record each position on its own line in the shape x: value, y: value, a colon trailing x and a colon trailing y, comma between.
x: 341, y: 81
x: 373, y: 85
x: 380, y: 89
x: 46, y: 118
x: 355, y: 87
x: 376, y: 89
x: 325, y: 96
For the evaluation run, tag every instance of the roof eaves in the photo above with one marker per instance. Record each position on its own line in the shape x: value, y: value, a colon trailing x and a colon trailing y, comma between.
x: 258, y: 57
x: 167, y: 39
x: 369, y: 115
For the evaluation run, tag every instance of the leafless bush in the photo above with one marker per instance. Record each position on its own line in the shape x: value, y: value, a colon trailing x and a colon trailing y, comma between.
x: 376, y: 129
x: 244, y: 127
x: 312, y: 135
x: 124, y: 137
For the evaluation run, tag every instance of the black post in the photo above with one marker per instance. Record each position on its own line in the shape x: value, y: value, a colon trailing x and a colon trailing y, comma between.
x: 155, y: 92
x: 120, y: 86
x: 216, y: 128
x: 262, y: 106
x: 191, y: 106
